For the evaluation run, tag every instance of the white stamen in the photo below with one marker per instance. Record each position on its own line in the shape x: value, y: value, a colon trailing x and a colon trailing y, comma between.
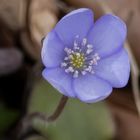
x: 89, y: 51
x: 75, y: 75
x: 89, y: 68
x: 70, y: 56
x: 68, y: 51
x: 84, y: 41
x: 67, y: 70
x: 76, y: 48
x: 66, y: 58
x: 75, y: 44
x: 89, y: 46
x: 91, y: 62
x: 71, y: 69
x: 78, y: 54
x: 96, y: 56
x: 83, y: 72
x: 63, y: 64
x: 94, y: 61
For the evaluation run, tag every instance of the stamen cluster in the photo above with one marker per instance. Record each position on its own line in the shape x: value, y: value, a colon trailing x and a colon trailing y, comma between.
x: 80, y: 59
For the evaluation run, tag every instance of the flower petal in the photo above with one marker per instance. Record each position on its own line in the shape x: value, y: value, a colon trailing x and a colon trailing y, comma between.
x: 115, y: 69
x: 53, y: 50
x: 90, y: 88
x: 107, y: 35
x: 59, y: 80
x: 77, y: 22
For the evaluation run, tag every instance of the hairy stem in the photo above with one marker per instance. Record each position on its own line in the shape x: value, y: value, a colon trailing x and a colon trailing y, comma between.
x: 59, y: 109
x: 25, y: 125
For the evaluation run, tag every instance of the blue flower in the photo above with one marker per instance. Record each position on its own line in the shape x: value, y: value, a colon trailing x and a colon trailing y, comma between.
x: 85, y: 60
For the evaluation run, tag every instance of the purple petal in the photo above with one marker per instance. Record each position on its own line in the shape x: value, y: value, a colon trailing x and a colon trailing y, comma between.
x: 52, y: 51
x: 107, y: 35
x: 90, y: 88
x: 115, y: 69
x: 59, y: 80
x: 78, y: 22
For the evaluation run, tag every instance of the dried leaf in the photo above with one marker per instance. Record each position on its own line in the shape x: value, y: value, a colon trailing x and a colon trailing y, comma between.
x: 13, y: 13
x: 40, y: 19
x: 43, y: 16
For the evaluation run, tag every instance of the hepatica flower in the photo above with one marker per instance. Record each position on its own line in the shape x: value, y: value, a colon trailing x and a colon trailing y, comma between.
x: 85, y: 60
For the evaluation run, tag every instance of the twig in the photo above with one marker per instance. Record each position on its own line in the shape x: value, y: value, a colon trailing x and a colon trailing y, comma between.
x: 135, y: 72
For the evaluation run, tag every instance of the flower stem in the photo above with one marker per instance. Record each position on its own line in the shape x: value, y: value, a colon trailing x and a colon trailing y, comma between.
x: 25, y: 124
x: 58, y: 110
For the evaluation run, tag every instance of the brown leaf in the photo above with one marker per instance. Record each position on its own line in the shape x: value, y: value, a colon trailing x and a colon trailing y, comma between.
x: 43, y: 17
x: 13, y: 13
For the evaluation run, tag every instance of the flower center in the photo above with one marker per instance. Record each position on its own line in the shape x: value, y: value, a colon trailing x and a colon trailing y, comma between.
x: 80, y: 59
x: 77, y: 60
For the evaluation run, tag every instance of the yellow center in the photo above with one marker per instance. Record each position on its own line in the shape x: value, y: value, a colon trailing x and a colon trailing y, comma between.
x: 77, y: 60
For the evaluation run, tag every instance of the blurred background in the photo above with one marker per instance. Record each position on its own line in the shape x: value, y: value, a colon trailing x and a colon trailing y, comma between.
x: 23, y: 24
